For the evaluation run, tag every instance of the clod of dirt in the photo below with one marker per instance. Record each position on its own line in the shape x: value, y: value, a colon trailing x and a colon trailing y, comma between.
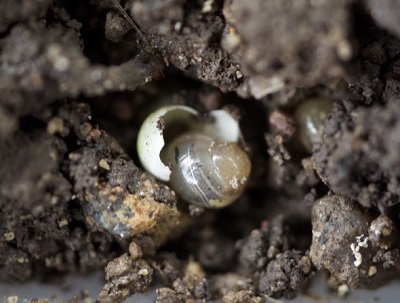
x: 385, y: 13
x: 190, y: 38
x: 231, y: 282
x: 263, y: 245
x: 36, y: 166
x: 376, y: 76
x: 342, y: 245
x: 36, y: 62
x: 186, y: 281
x: 242, y: 296
x: 12, y: 12
x: 303, y: 57
x: 182, y: 293
x: 381, y: 231
x: 125, y: 277
x: 116, y: 195
x: 116, y: 27
x: 286, y: 274
x: 42, y: 229
x: 45, y: 229
x: 359, y: 159
x: 126, y: 215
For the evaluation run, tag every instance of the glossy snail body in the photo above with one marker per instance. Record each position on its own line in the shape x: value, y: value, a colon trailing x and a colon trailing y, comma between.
x: 207, y: 172
x: 203, y: 164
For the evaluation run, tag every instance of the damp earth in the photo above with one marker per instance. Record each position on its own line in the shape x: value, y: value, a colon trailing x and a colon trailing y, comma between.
x: 77, y: 79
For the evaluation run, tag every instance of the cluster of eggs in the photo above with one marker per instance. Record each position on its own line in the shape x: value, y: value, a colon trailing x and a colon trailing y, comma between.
x: 202, y: 159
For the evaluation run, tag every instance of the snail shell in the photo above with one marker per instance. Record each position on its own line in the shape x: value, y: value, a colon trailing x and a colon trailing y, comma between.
x: 174, y: 119
x: 199, y: 158
x: 207, y: 172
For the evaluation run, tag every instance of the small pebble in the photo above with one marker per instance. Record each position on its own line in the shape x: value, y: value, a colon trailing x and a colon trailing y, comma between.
x: 103, y: 164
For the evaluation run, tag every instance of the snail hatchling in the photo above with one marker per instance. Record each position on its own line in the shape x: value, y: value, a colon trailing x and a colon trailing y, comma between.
x: 201, y: 159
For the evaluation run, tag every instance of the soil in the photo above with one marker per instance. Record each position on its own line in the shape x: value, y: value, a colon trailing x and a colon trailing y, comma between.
x: 76, y: 82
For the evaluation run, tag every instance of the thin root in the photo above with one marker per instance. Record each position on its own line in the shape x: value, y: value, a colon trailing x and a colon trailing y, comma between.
x: 137, y: 29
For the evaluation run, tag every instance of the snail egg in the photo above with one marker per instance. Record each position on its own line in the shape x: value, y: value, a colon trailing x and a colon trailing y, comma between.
x: 198, y: 156
x: 207, y: 172
x: 310, y: 116
x: 170, y: 121
x: 150, y: 139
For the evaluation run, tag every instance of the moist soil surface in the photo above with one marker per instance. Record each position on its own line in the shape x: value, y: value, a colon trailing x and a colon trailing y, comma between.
x: 77, y: 79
